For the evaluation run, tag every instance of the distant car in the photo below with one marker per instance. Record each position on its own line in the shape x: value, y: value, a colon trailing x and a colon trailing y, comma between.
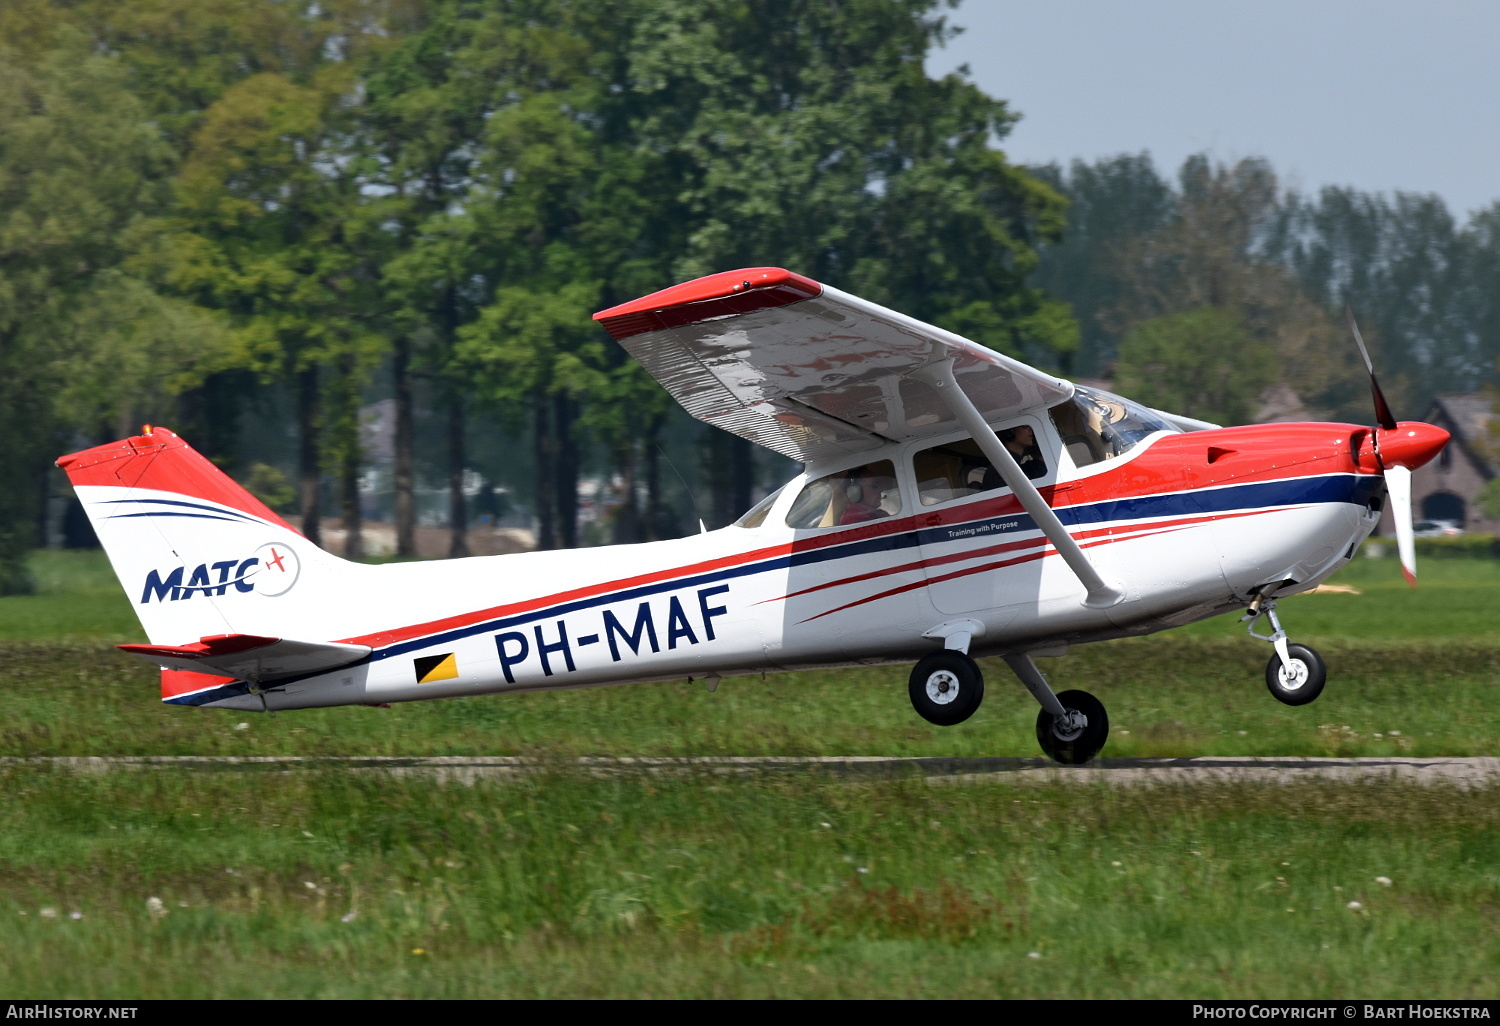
x: 1436, y: 528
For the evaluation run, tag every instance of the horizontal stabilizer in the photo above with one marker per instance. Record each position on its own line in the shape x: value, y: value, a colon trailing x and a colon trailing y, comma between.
x: 251, y: 658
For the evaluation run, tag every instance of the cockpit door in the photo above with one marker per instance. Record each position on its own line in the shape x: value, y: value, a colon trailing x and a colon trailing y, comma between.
x: 979, y: 546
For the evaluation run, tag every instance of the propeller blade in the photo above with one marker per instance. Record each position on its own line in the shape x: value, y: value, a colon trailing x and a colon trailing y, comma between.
x: 1398, y: 489
x: 1382, y: 410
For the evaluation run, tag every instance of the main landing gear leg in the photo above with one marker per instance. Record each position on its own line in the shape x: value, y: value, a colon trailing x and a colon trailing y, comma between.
x: 1296, y: 674
x: 1071, y: 727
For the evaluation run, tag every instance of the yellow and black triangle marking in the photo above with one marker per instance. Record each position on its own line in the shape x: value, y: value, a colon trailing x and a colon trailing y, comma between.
x: 438, y: 667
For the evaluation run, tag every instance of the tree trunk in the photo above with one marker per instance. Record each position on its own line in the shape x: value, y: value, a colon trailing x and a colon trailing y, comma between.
x: 627, y: 525
x: 405, y: 445
x: 653, y: 516
x: 354, y: 541
x: 565, y: 470
x: 545, y: 452
x: 309, y: 464
x: 350, y: 458
x: 458, y: 512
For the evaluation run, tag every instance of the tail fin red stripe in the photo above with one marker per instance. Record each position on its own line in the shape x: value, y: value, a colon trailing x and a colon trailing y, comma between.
x: 163, y: 462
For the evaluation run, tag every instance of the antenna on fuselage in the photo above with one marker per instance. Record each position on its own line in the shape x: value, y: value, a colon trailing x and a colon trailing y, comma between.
x: 702, y: 527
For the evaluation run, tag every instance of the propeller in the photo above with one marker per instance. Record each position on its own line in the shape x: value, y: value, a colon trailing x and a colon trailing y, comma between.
x: 1399, y: 448
x: 1382, y: 408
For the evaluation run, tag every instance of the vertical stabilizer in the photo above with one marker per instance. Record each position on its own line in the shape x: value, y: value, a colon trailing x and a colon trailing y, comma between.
x: 196, y: 553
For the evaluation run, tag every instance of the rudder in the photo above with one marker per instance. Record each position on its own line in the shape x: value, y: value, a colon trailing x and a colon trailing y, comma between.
x: 191, y: 547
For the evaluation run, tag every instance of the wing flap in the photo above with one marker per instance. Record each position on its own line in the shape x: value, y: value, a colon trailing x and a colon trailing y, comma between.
x: 810, y: 371
x: 250, y: 657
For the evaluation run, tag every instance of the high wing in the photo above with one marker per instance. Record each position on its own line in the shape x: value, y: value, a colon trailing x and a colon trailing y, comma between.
x: 809, y: 371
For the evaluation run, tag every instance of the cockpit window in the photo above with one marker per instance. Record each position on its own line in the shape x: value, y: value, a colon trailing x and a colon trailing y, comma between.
x: 957, y: 469
x: 851, y: 496
x: 758, y: 513
x: 1096, y: 425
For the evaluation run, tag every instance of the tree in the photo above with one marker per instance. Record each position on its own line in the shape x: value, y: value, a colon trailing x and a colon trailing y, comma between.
x: 1213, y: 253
x: 86, y: 344
x: 1414, y: 277
x: 810, y: 137
x: 275, y: 231
x: 1202, y: 363
x: 1112, y: 204
x: 477, y: 125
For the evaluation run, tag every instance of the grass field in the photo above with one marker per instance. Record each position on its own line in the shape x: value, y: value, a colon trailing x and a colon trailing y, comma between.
x: 331, y: 883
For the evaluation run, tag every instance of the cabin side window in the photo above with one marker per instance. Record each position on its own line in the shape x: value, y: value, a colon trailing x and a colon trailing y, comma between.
x: 957, y: 469
x: 1095, y: 425
x: 852, y: 496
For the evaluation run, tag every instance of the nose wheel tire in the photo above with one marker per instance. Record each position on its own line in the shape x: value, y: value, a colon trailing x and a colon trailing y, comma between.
x: 1076, y: 738
x: 1300, y: 682
x: 946, y: 687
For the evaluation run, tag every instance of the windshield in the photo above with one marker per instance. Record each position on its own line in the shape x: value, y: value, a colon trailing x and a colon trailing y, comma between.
x: 1096, y: 425
x: 757, y: 514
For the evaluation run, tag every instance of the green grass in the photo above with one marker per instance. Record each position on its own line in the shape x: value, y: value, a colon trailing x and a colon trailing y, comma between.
x: 565, y: 885
x: 1456, y: 598
x: 77, y: 598
x: 1166, y: 696
x: 334, y: 885
x: 1196, y: 691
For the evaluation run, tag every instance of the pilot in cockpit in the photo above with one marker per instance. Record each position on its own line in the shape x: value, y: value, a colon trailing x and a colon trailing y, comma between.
x: 864, y: 494
x: 1020, y: 441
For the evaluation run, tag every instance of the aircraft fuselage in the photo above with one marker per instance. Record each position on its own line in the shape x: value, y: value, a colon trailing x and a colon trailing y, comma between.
x: 1189, y: 525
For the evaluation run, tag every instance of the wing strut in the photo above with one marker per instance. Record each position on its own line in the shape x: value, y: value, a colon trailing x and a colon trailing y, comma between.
x: 940, y: 376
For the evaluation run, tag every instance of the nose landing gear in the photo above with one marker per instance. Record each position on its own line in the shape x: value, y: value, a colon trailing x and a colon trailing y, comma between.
x: 1296, y: 674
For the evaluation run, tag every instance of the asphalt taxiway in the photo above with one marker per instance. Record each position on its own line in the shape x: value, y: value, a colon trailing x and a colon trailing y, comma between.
x: 1450, y: 771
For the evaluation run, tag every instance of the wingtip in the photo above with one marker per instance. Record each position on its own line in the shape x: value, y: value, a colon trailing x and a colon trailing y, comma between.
x: 1411, y: 577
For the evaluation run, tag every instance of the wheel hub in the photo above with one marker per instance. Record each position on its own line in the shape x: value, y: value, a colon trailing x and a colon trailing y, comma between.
x: 942, y: 687
x: 1070, y: 726
x: 1293, y: 676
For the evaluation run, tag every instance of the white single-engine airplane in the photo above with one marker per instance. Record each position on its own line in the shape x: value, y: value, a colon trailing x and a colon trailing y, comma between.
x: 954, y: 503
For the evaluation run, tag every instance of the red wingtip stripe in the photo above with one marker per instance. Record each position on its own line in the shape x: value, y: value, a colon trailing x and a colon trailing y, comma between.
x: 161, y: 461
x: 182, y: 682
x: 703, y: 299
x: 1411, y: 578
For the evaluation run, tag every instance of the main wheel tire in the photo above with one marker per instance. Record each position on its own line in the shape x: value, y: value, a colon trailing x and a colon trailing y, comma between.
x: 946, y: 687
x: 1074, y: 744
x: 1301, y: 682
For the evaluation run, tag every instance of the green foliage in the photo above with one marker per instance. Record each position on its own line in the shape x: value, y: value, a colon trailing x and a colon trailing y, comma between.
x: 1461, y: 546
x: 200, y: 194
x: 1489, y: 499
x: 1231, y: 236
x: 1112, y: 204
x: 270, y: 486
x: 81, y: 170
x: 1202, y: 363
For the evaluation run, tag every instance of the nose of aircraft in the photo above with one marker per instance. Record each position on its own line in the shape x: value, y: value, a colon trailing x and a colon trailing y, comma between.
x: 1411, y: 445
